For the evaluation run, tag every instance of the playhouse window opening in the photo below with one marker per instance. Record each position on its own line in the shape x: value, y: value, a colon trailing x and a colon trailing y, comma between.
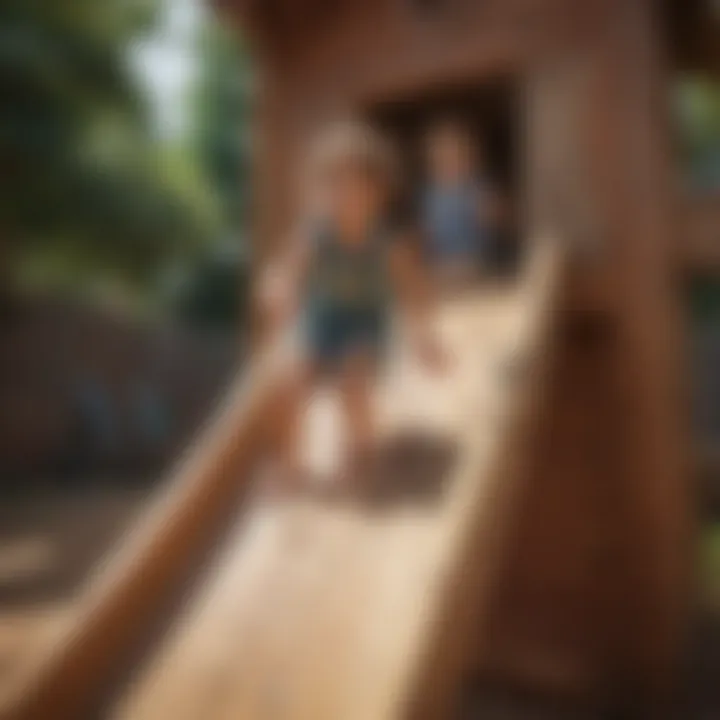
x: 489, y: 112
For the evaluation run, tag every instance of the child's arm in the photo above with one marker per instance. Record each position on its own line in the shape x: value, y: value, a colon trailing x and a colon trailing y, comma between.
x: 492, y: 208
x: 281, y: 282
x: 416, y: 296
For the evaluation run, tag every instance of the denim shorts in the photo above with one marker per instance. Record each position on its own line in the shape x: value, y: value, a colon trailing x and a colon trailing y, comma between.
x: 331, y: 335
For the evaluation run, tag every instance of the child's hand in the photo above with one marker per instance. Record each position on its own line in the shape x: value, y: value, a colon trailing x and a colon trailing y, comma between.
x: 432, y: 354
x: 276, y: 298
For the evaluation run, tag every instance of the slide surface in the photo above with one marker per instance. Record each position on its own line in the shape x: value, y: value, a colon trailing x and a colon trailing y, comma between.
x: 321, y: 606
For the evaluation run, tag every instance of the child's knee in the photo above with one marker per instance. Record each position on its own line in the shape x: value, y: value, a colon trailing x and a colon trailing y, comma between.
x: 359, y: 368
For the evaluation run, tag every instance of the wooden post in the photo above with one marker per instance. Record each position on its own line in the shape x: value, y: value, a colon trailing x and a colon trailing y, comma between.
x: 595, y: 594
x: 640, y: 208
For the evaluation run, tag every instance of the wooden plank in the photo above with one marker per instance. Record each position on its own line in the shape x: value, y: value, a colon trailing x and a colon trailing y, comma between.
x: 121, y: 601
x: 481, y: 523
x: 608, y: 610
x: 324, y: 611
x: 654, y: 510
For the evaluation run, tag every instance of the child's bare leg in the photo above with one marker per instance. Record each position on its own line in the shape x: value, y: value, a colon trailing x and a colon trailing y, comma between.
x: 456, y: 275
x: 290, y: 406
x: 356, y: 398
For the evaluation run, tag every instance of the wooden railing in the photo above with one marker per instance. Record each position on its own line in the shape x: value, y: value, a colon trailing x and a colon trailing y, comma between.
x: 499, y: 450
x: 122, y: 600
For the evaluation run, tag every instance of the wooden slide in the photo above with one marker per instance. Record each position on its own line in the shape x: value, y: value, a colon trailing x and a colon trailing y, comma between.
x: 354, y: 606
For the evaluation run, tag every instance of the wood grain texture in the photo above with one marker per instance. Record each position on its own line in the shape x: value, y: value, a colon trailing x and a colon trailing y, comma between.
x: 123, y: 597
x: 342, y: 609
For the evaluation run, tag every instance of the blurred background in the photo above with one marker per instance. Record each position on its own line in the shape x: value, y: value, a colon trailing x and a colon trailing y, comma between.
x: 696, y: 112
x: 125, y: 141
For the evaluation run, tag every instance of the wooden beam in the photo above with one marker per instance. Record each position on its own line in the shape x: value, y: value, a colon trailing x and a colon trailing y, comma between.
x: 121, y: 602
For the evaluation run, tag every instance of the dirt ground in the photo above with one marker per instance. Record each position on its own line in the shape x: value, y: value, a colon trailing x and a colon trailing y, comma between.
x: 49, y: 545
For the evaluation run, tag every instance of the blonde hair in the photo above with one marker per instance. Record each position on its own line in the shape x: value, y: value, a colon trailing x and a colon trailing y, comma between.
x: 353, y: 145
x: 453, y: 129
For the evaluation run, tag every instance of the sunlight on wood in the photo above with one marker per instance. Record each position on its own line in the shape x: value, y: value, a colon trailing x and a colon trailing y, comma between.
x: 316, y: 607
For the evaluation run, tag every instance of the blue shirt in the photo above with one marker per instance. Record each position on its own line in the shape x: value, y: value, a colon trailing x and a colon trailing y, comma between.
x: 451, y: 217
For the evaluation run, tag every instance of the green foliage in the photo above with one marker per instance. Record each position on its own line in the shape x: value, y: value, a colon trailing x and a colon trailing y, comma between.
x: 90, y: 199
x: 698, y: 114
x: 214, y: 293
x: 213, y: 290
x: 221, y: 117
x: 704, y: 300
x: 84, y: 188
x: 710, y: 562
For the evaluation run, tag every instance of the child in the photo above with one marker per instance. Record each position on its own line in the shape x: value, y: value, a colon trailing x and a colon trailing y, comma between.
x: 458, y: 207
x: 341, y: 270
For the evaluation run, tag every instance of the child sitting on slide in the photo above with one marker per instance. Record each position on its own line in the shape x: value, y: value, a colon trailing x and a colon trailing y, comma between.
x: 459, y: 208
x: 341, y: 271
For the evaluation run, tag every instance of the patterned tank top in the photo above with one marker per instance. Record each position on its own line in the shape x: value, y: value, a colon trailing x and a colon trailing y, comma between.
x: 349, y: 278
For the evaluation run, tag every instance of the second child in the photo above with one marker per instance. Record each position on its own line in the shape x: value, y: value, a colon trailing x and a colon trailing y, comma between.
x: 459, y: 208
